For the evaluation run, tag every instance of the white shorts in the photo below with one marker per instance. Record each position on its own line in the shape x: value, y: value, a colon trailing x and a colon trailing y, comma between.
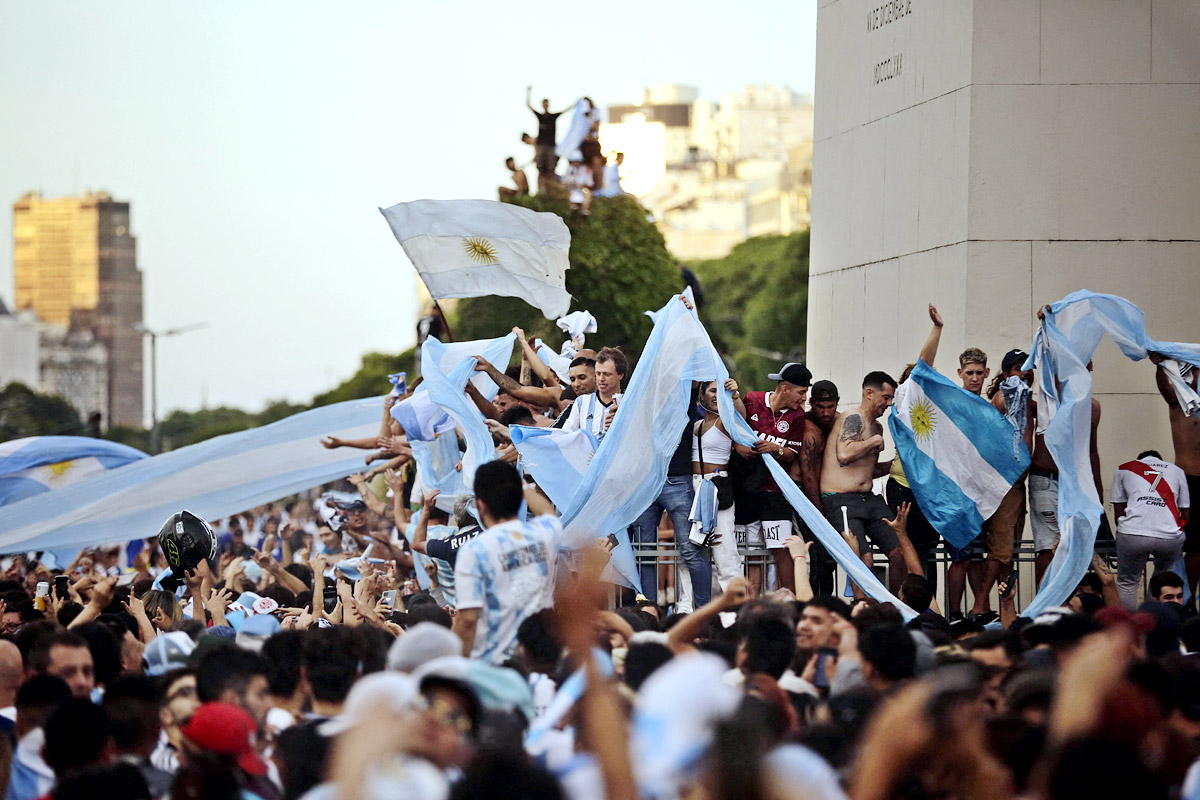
x: 771, y: 534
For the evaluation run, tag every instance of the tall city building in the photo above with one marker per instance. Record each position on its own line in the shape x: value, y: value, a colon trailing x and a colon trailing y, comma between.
x: 716, y: 173
x: 75, y: 265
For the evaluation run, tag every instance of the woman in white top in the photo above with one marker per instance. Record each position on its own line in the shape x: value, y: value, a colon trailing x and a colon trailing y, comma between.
x: 711, y: 446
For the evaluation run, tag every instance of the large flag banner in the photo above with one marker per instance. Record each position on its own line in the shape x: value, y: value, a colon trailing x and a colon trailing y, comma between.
x: 40, y: 464
x: 957, y: 451
x: 1061, y: 349
x: 556, y: 459
x: 475, y: 248
x: 213, y: 479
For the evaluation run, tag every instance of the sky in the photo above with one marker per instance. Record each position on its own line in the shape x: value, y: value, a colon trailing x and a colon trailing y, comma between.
x: 255, y: 142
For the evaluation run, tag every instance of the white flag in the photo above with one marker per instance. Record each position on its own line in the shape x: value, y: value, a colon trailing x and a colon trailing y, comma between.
x: 474, y: 248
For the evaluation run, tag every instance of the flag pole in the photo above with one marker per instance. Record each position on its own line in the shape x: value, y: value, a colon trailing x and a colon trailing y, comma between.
x: 437, y: 307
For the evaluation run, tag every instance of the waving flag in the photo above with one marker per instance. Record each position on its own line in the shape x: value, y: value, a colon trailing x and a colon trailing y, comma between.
x: 957, y: 451
x: 1061, y: 350
x: 475, y: 248
x: 42, y: 463
x: 556, y: 459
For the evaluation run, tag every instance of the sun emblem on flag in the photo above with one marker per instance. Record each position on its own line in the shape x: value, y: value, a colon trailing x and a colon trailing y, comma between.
x: 480, y: 250
x: 923, y: 419
x: 57, y: 471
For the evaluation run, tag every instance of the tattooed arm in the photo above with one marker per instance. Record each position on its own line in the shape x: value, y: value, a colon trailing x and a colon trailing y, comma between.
x: 810, y: 463
x: 851, y: 446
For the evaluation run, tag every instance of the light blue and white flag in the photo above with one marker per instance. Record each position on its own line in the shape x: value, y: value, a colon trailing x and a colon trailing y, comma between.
x: 957, y: 451
x: 557, y: 459
x: 475, y: 248
x: 213, y: 479
x: 446, y: 369
x: 1061, y: 350
x: 40, y: 464
x: 630, y: 465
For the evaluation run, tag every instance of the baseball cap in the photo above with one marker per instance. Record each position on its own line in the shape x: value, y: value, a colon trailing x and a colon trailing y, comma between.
x: 256, y: 630
x: 389, y: 691
x: 1012, y: 358
x: 792, y: 373
x: 226, y: 730
x: 421, y: 643
x: 166, y: 652
x: 823, y: 390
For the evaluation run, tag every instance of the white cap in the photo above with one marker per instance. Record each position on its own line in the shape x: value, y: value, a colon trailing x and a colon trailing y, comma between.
x: 422, y: 642
x: 386, y: 691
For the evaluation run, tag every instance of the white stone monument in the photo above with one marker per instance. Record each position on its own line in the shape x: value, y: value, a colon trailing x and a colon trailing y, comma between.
x: 991, y: 156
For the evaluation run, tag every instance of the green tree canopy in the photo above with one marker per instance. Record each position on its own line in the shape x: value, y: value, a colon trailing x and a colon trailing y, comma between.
x: 620, y: 268
x: 756, y: 304
x: 24, y: 412
x: 371, y: 378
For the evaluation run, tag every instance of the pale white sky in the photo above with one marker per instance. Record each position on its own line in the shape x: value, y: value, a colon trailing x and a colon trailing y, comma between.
x: 256, y: 140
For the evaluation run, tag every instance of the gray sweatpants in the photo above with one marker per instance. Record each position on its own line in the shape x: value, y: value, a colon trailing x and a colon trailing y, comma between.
x: 1133, y: 550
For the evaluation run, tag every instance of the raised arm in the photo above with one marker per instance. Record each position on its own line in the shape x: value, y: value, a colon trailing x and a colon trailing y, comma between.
x: 798, y: 550
x: 539, y: 367
x: 422, y: 531
x: 687, y: 629
x: 1162, y: 382
x: 930, y: 348
x: 538, y: 395
x: 487, y: 409
x: 529, y: 99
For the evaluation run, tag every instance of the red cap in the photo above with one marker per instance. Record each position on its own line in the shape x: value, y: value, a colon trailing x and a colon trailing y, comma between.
x: 1138, y: 621
x: 227, y: 730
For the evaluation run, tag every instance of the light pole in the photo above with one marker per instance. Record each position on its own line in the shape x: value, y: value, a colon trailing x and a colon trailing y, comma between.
x: 154, y: 335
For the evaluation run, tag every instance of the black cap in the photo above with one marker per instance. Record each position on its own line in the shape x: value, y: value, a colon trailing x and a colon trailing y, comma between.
x: 1012, y: 358
x: 792, y: 373
x: 823, y: 390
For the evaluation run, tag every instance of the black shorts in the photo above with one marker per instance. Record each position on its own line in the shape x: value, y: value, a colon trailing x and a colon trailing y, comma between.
x: 1191, y: 544
x: 866, y: 513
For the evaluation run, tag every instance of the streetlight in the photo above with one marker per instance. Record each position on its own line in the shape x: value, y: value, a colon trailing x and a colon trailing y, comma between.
x: 154, y: 335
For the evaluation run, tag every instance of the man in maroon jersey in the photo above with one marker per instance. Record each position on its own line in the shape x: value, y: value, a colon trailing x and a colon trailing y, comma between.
x: 778, y: 418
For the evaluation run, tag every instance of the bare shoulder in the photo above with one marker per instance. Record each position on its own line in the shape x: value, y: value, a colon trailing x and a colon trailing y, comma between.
x: 1095, y: 411
x: 851, y: 426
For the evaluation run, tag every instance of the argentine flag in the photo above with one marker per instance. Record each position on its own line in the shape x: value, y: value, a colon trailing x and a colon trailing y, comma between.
x: 40, y: 464
x: 957, y: 451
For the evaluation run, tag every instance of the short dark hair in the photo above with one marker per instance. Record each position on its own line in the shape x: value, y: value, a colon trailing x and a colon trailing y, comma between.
x: 915, y: 591
x: 1161, y: 579
x: 583, y: 361
x: 498, y: 486
x: 517, y: 415
x: 39, y: 653
x: 131, y: 703
x: 105, y: 649
x: 331, y: 662
x: 538, y: 637
x: 224, y: 667
x: 75, y: 735
x: 1154, y: 453
x: 770, y: 645
x: 642, y: 660
x: 282, y: 655
x: 1091, y: 580
x: 834, y: 605
x: 877, y: 380
x: 614, y: 354
x: 890, y: 649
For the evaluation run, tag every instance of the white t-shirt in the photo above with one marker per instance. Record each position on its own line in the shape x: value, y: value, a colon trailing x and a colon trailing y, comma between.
x: 508, y: 573
x: 1146, y: 512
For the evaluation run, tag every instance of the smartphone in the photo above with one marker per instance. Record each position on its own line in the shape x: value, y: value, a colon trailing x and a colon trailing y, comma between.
x: 331, y: 598
x: 824, y: 656
x: 389, y: 598
x: 612, y: 540
x: 62, y: 586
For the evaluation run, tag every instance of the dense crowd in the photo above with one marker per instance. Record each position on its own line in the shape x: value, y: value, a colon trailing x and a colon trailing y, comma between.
x: 369, y: 641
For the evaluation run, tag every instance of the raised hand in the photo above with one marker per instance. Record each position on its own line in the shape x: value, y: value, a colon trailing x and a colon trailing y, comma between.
x: 430, y: 500
x: 935, y: 316
x: 731, y: 386
x: 330, y: 442
x: 900, y: 523
x: 797, y: 547
x: 738, y: 594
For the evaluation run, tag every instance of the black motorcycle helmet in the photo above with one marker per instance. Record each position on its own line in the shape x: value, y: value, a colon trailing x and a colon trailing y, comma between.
x: 186, y: 540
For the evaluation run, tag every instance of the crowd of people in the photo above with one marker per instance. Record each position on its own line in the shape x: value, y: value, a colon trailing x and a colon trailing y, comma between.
x: 589, y: 172
x: 367, y: 641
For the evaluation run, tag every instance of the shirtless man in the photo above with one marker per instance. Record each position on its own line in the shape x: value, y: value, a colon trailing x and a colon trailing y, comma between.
x: 822, y: 411
x: 850, y: 466
x: 1185, y: 436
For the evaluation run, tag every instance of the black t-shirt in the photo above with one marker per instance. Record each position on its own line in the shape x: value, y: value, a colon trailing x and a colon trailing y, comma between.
x: 546, y: 124
x: 447, y: 549
x: 681, y: 459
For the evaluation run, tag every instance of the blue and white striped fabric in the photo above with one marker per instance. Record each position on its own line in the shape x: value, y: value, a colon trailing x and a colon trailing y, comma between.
x: 421, y: 418
x: 446, y: 369
x: 630, y: 465
x: 1060, y: 353
x: 435, y: 467
x: 213, y: 479
x: 40, y: 464
x: 556, y: 459
x: 507, y: 572
x: 957, y: 451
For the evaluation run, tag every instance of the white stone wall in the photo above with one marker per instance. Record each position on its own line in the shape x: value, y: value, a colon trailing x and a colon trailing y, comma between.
x: 1020, y: 150
x: 18, y: 349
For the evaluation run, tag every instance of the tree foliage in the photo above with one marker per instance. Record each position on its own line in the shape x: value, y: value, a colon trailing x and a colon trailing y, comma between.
x: 756, y: 303
x: 25, y: 412
x: 620, y: 268
x: 371, y: 378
